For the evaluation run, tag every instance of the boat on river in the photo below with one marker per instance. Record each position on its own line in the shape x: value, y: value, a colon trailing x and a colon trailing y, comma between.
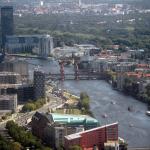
x: 130, y: 108
x: 131, y: 125
x: 148, y: 113
x: 113, y: 103
x: 104, y: 115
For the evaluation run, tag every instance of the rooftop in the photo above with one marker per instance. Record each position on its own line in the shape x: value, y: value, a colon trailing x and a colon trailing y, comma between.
x: 32, y: 35
x: 78, y: 135
x: 8, y: 97
x: 138, y: 74
x: 111, y: 143
x: 9, y: 73
x: 70, y: 119
x: 14, y: 85
x: 7, y: 7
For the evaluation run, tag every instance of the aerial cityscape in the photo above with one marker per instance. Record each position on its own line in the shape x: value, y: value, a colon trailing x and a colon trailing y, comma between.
x: 74, y: 75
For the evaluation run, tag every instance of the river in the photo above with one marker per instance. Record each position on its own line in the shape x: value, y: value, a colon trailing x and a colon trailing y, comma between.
x: 134, y: 126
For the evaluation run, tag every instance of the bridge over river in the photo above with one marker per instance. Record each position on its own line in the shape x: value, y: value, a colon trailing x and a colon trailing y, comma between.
x: 79, y: 76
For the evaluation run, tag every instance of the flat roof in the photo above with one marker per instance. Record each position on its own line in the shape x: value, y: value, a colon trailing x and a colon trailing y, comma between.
x: 32, y: 35
x: 111, y: 143
x: 73, y: 136
x: 91, y: 45
x: 8, y: 73
x: 14, y: 85
x: 7, y: 7
x: 8, y: 97
x: 69, y: 118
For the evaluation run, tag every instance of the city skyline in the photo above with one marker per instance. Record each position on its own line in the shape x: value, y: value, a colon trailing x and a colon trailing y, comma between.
x: 75, y: 76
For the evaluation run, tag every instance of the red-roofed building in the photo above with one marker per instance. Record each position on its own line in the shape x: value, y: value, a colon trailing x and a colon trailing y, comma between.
x: 96, y: 137
x: 134, y: 74
x: 144, y: 66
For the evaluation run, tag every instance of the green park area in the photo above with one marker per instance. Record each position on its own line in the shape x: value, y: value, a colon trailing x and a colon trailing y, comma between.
x: 33, y: 105
x: 76, y: 105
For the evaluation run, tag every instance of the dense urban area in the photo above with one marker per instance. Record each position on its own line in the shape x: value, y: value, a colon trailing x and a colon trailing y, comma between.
x: 74, y: 74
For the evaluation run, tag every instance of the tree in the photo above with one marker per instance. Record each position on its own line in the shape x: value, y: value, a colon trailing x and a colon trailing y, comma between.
x: 29, y: 107
x: 4, y: 117
x: 16, y: 146
x: 22, y: 136
x: 9, y: 124
x: 4, y: 144
x: 83, y: 104
x: 84, y: 100
x: 75, y: 147
x: 148, y: 90
x: 127, y: 85
x: 46, y: 148
x: 83, y: 95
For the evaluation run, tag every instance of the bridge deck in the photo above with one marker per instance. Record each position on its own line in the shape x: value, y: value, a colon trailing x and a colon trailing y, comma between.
x: 80, y: 76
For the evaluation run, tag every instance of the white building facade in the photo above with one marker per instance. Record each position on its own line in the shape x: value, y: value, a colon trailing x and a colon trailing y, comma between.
x: 40, y: 45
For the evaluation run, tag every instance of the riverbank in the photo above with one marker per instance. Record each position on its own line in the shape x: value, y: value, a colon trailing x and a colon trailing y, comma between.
x: 105, y: 100
x: 142, y: 97
x: 29, y: 56
x: 73, y: 104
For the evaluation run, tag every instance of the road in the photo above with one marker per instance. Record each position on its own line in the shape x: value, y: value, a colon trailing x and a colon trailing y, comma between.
x: 21, y: 118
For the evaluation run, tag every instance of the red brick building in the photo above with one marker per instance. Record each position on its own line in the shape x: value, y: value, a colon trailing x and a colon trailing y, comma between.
x: 93, y: 138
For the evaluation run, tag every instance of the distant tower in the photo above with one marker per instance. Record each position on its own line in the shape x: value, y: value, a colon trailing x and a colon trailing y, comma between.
x: 41, y: 3
x: 80, y: 3
x: 39, y: 84
x: 7, y: 23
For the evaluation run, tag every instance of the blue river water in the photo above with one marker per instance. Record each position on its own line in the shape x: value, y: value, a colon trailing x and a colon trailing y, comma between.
x: 134, y: 126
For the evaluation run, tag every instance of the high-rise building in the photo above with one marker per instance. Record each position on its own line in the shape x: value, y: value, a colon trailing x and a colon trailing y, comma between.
x: 1, y: 55
x: 7, y: 23
x: 10, y: 78
x: 17, y: 66
x: 39, y: 84
x: 8, y: 103
x: 80, y: 3
x: 24, y: 92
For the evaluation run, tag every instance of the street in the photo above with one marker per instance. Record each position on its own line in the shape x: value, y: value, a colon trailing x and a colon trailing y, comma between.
x: 22, y: 118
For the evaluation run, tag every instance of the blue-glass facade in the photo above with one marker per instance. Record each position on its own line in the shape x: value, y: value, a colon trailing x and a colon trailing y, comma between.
x: 7, y: 23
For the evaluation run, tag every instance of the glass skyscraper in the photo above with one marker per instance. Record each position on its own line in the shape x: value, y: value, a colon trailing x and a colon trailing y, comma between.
x: 7, y: 23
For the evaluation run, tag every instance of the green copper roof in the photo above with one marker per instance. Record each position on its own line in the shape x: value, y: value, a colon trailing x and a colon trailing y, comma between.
x: 74, y: 119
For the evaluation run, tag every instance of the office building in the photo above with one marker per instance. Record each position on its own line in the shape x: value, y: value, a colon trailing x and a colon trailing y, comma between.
x: 125, y: 67
x: 1, y: 56
x: 53, y: 127
x: 24, y: 92
x: 8, y: 103
x: 88, y: 49
x: 9, y: 78
x: 17, y: 66
x: 40, y: 45
x: 120, y: 80
x: 93, y: 138
x: 39, y: 84
x: 45, y: 46
x: 7, y: 23
x: 80, y: 3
